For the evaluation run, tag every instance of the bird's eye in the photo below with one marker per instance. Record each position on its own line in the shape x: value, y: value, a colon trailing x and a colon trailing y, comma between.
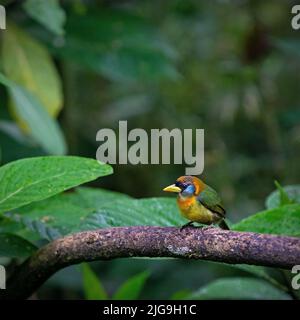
x: 180, y: 185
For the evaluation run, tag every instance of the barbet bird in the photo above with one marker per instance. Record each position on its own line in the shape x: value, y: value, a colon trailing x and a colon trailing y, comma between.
x: 198, y: 202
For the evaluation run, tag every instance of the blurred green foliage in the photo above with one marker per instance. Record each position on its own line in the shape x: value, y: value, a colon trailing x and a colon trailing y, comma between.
x: 70, y: 68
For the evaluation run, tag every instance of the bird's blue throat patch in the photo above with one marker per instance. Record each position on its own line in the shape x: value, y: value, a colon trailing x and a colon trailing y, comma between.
x: 189, y: 190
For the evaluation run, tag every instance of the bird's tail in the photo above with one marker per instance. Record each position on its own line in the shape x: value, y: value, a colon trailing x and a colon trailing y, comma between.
x: 224, y: 225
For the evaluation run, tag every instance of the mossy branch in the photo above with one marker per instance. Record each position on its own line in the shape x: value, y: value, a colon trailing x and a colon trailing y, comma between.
x: 212, y: 244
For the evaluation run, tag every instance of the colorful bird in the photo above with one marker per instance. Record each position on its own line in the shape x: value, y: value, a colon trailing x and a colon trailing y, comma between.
x: 198, y: 202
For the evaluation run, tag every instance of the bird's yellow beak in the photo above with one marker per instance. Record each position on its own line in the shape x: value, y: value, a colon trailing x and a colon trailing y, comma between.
x: 172, y: 188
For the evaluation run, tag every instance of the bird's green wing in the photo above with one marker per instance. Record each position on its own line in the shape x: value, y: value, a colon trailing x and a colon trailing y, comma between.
x: 210, y: 199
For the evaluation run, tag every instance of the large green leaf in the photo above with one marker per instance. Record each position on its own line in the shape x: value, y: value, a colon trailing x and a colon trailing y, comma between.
x: 12, y: 245
x: 260, y: 272
x: 66, y: 213
x: 48, y: 13
x: 274, y: 200
x: 284, y: 220
x: 33, y: 179
x: 92, y: 287
x: 239, y: 288
x: 112, y: 43
x: 180, y: 295
x: 28, y: 64
x: 43, y: 128
x: 87, y: 209
x: 131, y: 289
x: 10, y: 226
x: 130, y: 212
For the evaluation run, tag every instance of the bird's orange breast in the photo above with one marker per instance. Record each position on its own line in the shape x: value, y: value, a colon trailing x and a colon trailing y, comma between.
x: 186, y: 203
x: 192, y: 210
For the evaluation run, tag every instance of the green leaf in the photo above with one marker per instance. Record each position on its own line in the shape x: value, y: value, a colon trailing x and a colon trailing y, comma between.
x: 260, y: 272
x: 88, y: 209
x: 48, y: 13
x: 290, y: 194
x: 28, y: 63
x: 63, y: 214
x: 181, y: 294
x: 133, y: 64
x: 33, y: 179
x: 130, y: 212
x: 111, y: 42
x: 131, y: 289
x: 284, y: 220
x: 284, y: 198
x: 43, y: 129
x: 92, y: 287
x: 31, y: 228
x: 13, y: 246
x: 239, y: 288
x: 8, y: 225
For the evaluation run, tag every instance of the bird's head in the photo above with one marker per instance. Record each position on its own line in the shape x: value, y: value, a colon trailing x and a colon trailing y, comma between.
x: 187, y: 186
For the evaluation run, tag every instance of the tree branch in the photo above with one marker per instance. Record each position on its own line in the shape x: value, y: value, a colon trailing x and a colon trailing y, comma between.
x: 144, y: 241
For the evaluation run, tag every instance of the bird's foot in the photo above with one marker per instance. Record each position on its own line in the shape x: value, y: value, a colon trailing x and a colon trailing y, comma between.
x: 189, y: 224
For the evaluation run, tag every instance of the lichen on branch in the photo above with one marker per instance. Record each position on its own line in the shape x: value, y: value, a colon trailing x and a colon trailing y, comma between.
x: 212, y: 244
